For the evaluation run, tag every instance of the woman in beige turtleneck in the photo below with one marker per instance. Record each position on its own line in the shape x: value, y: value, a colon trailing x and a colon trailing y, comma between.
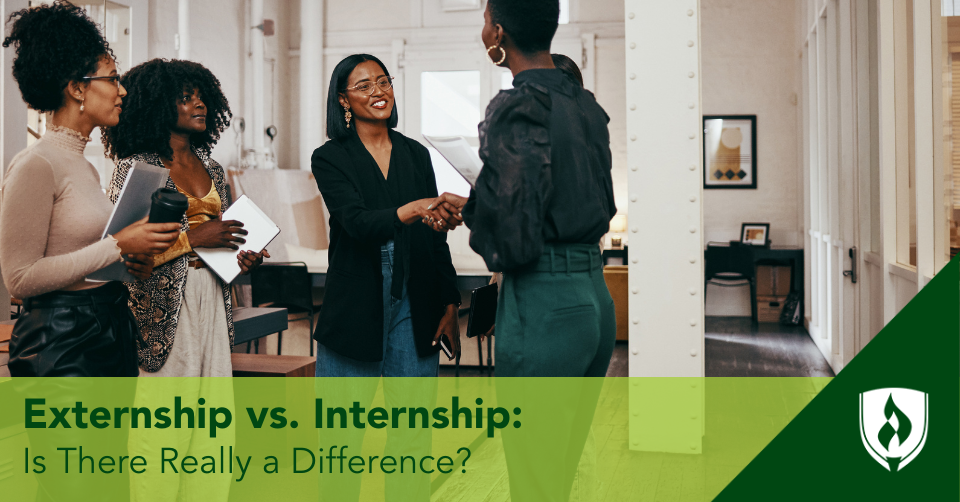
x: 53, y: 210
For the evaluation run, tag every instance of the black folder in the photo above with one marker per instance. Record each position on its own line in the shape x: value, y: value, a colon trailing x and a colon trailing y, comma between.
x: 483, y: 310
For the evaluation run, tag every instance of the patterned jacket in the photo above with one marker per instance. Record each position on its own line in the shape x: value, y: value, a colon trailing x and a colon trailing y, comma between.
x: 155, y: 302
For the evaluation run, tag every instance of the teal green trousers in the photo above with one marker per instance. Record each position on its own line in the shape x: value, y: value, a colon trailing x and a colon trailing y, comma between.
x: 556, y: 317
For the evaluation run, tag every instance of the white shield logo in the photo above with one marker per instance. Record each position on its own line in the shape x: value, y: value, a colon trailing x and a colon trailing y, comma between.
x: 893, y: 425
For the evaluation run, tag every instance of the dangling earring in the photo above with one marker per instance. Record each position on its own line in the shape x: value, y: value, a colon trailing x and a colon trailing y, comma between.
x: 81, y: 104
x: 503, y: 54
x: 347, y: 115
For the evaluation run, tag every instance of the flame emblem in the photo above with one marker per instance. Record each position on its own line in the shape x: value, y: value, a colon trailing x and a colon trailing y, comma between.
x: 893, y: 425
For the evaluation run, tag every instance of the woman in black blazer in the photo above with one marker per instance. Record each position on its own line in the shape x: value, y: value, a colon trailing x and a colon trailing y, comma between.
x: 391, y: 289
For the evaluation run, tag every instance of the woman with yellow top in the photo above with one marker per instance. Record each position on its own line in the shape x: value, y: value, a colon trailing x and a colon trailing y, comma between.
x: 174, y: 115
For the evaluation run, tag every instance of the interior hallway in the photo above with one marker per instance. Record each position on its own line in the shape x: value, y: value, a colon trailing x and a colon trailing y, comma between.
x: 738, y: 347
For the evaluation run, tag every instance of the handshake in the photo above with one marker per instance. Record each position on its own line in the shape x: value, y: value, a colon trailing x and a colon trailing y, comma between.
x: 441, y: 214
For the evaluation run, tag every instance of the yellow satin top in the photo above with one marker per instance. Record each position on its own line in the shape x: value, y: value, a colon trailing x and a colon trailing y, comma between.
x: 200, y: 211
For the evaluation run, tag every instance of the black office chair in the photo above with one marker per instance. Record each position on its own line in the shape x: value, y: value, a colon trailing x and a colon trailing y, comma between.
x: 730, y: 266
x: 285, y: 285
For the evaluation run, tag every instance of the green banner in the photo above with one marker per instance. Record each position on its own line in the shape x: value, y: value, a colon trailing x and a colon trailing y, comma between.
x: 885, y: 428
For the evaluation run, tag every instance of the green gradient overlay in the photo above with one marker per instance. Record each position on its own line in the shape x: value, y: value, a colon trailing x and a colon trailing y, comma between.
x: 738, y: 415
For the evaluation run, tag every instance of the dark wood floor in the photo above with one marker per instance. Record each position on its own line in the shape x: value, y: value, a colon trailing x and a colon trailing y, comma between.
x: 738, y: 347
x: 735, y: 347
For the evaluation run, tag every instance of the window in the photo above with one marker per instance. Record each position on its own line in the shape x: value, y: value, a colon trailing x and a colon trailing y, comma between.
x: 565, y: 11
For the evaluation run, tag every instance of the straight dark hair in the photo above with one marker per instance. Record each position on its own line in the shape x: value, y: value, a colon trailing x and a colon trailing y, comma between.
x: 336, y: 124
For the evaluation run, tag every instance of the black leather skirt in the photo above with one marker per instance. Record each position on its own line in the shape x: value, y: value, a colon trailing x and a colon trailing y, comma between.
x: 84, y: 333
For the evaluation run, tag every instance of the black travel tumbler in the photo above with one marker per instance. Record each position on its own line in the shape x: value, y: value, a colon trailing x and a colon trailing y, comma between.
x: 167, y: 206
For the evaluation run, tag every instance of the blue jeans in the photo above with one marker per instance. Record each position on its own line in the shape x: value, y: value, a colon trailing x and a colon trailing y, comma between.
x: 400, y: 358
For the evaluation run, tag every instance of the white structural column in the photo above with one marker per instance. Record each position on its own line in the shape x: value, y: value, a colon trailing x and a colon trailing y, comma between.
x: 183, y: 29
x: 257, y: 65
x: 311, y: 79
x: 889, y: 145
x: 927, y: 132
x: 664, y: 138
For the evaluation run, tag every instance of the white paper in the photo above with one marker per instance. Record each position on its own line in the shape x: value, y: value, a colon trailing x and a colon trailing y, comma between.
x: 459, y: 154
x: 261, y: 230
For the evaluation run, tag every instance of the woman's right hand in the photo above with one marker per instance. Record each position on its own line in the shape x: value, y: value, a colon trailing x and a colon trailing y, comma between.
x: 147, y: 238
x: 217, y: 234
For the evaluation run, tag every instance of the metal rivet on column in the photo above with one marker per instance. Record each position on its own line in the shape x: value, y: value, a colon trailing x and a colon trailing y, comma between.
x: 693, y: 322
x: 692, y: 106
x: 635, y: 351
x: 691, y: 74
x: 690, y: 12
x: 690, y: 43
x: 633, y: 45
x: 636, y: 413
x: 693, y: 230
x: 693, y: 260
x: 633, y: 107
x: 635, y: 443
x: 635, y: 291
x: 693, y: 417
x: 693, y: 292
x: 693, y: 447
x: 693, y: 198
x: 635, y: 229
x: 693, y: 167
x: 636, y: 260
x: 693, y: 353
x: 636, y: 320
x: 630, y: 15
x: 633, y: 137
x: 634, y: 168
x: 633, y: 198
x: 692, y: 136
x: 633, y: 76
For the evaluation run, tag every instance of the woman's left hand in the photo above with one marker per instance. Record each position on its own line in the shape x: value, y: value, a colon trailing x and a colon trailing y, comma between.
x: 450, y: 326
x: 249, y: 260
x: 139, y: 265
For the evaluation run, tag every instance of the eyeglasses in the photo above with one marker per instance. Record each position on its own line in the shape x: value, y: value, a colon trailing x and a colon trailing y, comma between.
x: 114, y: 78
x: 384, y: 83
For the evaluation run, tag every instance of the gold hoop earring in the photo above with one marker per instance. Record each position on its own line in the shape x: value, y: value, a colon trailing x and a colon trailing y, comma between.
x: 347, y: 115
x: 503, y: 54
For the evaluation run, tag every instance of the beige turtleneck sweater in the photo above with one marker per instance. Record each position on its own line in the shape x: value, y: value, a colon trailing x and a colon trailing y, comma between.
x: 52, y: 214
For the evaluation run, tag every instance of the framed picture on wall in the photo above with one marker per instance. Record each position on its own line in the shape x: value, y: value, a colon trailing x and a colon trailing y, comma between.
x: 755, y: 234
x: 729, y: 151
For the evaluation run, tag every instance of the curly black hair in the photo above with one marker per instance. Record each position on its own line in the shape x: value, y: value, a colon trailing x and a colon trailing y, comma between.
x: 530, y: 23
x: 55, y: 44
x: 150, y: 108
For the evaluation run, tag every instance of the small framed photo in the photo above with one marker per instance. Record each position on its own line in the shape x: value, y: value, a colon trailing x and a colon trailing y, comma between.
x: 755, y: 234
x: 730, y: 151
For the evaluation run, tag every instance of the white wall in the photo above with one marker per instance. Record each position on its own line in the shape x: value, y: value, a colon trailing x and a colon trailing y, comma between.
x: 750, y: 66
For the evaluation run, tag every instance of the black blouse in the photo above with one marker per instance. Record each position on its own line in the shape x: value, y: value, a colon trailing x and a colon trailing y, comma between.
x: 546, y: 171
x: 363, y: 216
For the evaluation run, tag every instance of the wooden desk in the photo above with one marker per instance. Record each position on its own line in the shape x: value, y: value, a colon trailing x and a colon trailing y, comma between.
x: 6, y: 329
x: 744, y: 259
x: 251, y: 323
x: 262, y: 365
x: 466, y: 280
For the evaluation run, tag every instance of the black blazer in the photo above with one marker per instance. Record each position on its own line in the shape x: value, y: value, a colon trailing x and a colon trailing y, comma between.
x: 351, y: 321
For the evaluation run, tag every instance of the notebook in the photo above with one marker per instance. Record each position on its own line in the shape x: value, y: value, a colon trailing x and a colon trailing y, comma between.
x: 483, y: 310
x: 460, y: 155
x: 261, y: 231
x: 132, y: 205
